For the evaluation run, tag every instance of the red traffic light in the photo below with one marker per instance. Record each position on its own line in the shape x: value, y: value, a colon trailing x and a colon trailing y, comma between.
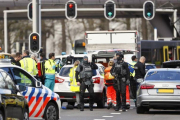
x: 70, y: 5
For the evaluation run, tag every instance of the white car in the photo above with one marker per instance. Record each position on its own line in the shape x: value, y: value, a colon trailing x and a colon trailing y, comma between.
x: 42, y: 102
x: 62, y: 86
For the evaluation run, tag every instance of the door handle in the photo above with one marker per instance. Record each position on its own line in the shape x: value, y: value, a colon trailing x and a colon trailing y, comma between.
x: 12, y: 97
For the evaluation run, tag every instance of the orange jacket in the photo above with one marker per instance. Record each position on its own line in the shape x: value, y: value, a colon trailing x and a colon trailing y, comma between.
x: 108, y: 77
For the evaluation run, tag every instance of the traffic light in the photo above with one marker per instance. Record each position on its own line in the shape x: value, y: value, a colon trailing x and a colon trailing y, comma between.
x: 109, y: 9
x: 148, y: 10
x: 29, y: 13
x: 34, y: 42
x: 71, y: 10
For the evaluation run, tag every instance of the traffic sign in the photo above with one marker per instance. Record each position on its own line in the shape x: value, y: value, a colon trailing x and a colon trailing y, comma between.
x: 109, y: 9
x: 148, y: 10
x: 34, y: 42
x: 71, y: 10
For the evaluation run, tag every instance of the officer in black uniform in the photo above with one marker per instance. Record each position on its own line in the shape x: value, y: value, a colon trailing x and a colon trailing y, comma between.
x: 121, y: 73
x: 84, y: 71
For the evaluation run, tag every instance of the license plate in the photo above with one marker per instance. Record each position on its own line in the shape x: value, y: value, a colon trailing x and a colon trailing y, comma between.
x: 165, y: 90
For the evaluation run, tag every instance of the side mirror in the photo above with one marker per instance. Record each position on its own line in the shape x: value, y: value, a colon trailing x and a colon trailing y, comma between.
x: 20, y: 88
x: 140, y: 80
x: 38, y: 84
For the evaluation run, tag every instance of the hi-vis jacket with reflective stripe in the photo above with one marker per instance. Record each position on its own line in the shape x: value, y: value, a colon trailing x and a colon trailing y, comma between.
x: 132, y: 71
x: 29, y: 65
x: 50, y: 69
x: 74, y: 87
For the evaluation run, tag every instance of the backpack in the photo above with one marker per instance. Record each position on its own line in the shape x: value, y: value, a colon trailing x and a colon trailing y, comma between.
x: 119, y: 69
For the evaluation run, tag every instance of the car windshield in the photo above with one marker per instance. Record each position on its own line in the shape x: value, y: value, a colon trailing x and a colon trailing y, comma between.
x: 65, y: 71
x: 163, y: 75
x: 75, y: 58
x: 150, y: 67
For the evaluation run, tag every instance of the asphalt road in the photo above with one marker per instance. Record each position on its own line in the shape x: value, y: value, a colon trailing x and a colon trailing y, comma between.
x: 104, y: 114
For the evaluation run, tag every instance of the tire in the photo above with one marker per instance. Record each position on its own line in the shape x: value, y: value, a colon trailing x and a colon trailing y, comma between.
x: 1, y: 116
x: 51, y: 112
x: 101, y: 102
x: 26, y: 115
x: 127, y: 106
x: 140, y: 110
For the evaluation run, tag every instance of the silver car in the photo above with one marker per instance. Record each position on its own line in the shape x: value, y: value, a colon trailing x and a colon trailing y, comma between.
x: 160, y: 89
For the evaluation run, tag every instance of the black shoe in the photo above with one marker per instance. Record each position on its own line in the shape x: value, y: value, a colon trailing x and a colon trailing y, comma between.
x: 124, y: 110
x: 82, y: 109
x: 78, y: 106
x: 109, y: 106
x: 117, y: 108
x: 91, y: 109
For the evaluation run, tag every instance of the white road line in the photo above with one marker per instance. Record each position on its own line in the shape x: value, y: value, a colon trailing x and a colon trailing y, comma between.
x: 107, y: 116
x: 121, y: 110
x: 99, y: 119
x: 115, y: 113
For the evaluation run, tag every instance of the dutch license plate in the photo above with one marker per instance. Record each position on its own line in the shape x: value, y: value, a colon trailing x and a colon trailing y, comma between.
x: 165, y: 90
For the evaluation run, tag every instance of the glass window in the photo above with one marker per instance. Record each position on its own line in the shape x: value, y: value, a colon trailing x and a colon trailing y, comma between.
x: 8, y: 80
x: 7, y: 70
x: 2, y: 82
x: 150, y: 67
x: 163, y: 75
x: 65, y: 71
x: 23, y: 78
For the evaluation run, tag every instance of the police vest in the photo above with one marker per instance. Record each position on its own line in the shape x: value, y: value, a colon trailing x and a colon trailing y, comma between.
x: 119, y: 69
x: 86, y: 73
x: 131, y: 68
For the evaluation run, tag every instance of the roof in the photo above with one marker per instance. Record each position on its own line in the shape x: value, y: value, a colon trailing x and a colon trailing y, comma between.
x: 164, y: 69
x: 172, y: 61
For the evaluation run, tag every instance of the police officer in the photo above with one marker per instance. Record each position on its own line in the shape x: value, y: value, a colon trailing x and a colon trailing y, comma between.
x: 132, y: 75
x: 139, y: 68
x: 16, y: 59
x: 120, y: 71
x: 28, y: 63
x: 50, y: 66
x: 84, y: 70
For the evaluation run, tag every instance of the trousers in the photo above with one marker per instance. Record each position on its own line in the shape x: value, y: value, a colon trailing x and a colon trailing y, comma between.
x: 78, y: 97
x: 90, y: 89
x: 133, y: 87
x: 120, y: 93
x: 111, y: 95
x: 50, y: 83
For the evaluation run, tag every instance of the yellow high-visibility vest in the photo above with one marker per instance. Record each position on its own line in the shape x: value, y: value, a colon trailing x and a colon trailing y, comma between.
x: 49, y: 67
x: 74, y: 87
x: 133, y: 74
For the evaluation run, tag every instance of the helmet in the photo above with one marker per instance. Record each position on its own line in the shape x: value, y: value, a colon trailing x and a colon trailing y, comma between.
x: 120, y: 54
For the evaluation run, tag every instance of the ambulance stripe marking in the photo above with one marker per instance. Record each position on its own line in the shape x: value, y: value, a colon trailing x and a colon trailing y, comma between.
x: 31, y: 100
x: 26, y: 97
x: 38, y: 95
x: 31, y: 94
x: 52, y: 96
x: 43, y: 106
x: 34, y: 108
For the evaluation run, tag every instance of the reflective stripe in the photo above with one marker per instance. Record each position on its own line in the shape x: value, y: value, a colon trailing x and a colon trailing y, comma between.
x: 49, y: 74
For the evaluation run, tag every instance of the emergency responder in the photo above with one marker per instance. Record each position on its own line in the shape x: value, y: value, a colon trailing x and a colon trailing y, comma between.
x: 42, y: 57
x: 28, y: 63
x: 16, y: 60
x: 84, y: 70
x: 132, y: 75
x: 110, y: 92
x: 74, y: 87
x: 139, y: 68
x: 34, y: 57
x: 50, y: 66
x: 12, y: 58
x: 121, y: 73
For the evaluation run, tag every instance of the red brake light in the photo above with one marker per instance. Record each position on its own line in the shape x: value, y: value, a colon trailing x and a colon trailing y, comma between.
x: 96, y: 80
x: 59, y: 80
x: 147, y: 86
x: 178, y: 86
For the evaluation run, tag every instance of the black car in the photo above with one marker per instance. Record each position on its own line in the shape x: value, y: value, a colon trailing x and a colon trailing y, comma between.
x: 12, y: 104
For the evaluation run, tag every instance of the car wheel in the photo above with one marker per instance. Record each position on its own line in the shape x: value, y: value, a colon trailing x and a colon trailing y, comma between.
x: 140, y: 110
x: 1, y: 115
x: 101, y: 102
x: 51, y: 112
x: 26, y: 115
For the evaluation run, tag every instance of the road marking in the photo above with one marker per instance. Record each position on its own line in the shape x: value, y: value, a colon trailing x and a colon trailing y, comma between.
x: 121, y: 110
x: 99, y: 119
x: 115, y: 113
x: 107, y: 116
